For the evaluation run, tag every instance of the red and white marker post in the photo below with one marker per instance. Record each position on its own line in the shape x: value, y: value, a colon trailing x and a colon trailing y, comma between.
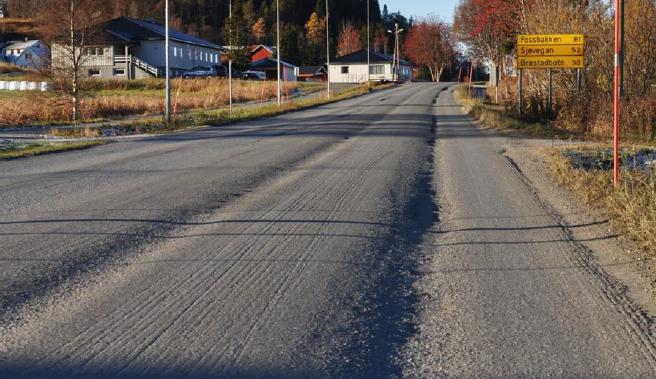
x: 617, y: 90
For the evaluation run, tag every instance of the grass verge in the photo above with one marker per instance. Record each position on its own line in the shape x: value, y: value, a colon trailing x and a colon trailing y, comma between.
x: 14, y: 151
x: 218, y: 117
x: 496, y: 116
x: 631, y: 207
x: 222, y: 116
x: 115, y: 100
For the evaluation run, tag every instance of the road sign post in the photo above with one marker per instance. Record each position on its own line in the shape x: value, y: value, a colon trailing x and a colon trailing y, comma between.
x: 471, y: 74
x: 521, y: 92
x: 548, y: 52
x: 550, y: 95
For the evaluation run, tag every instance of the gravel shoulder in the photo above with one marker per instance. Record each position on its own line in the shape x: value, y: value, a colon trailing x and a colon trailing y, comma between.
x: 519, y: 282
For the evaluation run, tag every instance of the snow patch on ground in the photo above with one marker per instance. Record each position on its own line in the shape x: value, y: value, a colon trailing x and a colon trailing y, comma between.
x: 642, y: 159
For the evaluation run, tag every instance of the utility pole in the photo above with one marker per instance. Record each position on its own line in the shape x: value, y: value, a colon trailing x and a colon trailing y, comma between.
x: 167, y: 117
x: 398, y: 52
x: 328, y: 48
x: 230, y: 60
x: 278, y: 49
x: 617, y: 92
x: 368, y: 45
x: 396, y: 66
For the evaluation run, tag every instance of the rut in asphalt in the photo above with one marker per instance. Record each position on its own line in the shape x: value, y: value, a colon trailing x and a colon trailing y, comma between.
x: 287, y: 248
x: 83, y: 262
x: 387, y: 311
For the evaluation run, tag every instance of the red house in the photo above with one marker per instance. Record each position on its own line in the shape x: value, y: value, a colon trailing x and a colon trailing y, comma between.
x: 262, y: 52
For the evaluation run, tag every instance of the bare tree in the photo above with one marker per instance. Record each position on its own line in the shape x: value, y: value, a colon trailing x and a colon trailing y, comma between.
x: 71, y: 27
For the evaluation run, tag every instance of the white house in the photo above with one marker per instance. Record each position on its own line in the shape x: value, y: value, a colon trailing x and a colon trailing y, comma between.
x: 31, y: 54
x: 130, y: 48
x: 352, y: 68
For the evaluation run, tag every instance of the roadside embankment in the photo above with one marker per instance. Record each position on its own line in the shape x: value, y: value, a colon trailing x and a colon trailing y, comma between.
x: 136, y: 126
x: 12, y: 150
x: 583, y: 166
x: 631, y: 207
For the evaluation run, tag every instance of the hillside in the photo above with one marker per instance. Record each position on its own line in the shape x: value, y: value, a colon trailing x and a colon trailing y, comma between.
x: 16, y: 28
x: 207, y: 19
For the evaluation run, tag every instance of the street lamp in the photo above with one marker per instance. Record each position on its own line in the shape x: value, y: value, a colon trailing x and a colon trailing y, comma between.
x: 230, y: 60
x: 278, y: 48
x: 396, y: 66
x: 328, y: 48
x: 167, y: 116
x: 368, y: 45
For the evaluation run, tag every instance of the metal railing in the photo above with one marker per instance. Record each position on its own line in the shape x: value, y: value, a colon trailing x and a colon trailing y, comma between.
x: 118, y: 59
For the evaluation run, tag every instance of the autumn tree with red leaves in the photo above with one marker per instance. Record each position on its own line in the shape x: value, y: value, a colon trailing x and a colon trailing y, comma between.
x: 486, y: 26
x: 430, y: 44
x: 349, y: 40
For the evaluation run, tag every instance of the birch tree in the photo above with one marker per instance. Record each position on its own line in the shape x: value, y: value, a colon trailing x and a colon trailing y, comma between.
x: 71, y: 27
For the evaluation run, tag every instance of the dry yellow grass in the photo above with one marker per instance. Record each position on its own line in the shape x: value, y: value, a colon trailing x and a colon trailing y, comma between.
x: 32, y: 149
x: 112, y: 100
x: 631, y: 207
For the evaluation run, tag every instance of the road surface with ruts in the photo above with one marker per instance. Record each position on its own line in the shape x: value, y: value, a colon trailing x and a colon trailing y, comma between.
x: 383, y: 236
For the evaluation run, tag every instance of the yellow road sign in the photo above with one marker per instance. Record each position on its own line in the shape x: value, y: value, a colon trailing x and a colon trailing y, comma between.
x: 550, y: 62
x: 550, y: 50
x: 550, y: 39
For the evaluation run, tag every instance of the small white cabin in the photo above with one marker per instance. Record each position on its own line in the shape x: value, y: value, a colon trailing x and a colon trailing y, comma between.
x: 353, y: 68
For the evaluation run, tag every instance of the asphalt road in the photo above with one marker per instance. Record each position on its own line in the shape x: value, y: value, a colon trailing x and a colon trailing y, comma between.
x: 383, y: 236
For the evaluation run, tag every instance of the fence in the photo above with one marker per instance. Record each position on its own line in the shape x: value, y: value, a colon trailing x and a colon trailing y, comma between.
x: 25, y: 86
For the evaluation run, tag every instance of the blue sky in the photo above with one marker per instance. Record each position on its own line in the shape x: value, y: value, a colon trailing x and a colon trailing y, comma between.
x: 422, y: 8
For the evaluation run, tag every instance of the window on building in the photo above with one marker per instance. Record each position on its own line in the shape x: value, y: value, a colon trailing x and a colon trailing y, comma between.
x: 206, y: 57
x: 100, y: 51
x: 175, y: 51
x: 377, y: 69
x: 119, y: 72
x: 345, y: 69
x: 94, y: 72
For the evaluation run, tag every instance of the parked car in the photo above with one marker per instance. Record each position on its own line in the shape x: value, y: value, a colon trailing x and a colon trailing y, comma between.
x: 201, y: 72
x: 254, y: 75
x: 222, y: 72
